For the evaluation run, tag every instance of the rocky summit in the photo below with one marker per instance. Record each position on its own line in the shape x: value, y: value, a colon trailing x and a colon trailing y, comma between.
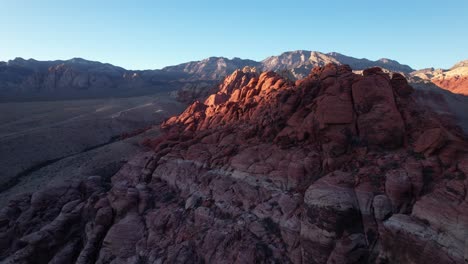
x: 335, y: 168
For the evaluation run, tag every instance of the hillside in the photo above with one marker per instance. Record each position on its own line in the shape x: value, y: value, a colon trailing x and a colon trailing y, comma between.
x: 454, y: 79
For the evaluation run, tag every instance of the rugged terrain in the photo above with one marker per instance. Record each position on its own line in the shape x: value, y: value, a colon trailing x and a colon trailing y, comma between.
x: 445, y: 103
x: 334, y: 168
x: 298, y: 64
x: 295, y: 64
x: 27, y: 80
x: 454, y: 79
x: 213, y: 68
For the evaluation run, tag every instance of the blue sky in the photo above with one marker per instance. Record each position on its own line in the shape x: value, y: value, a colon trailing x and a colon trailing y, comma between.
x: 154, y: 34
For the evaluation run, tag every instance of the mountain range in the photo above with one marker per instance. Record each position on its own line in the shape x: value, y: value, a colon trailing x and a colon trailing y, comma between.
x: 298, y: 63
x: 78, y: 78
x: 22, y: 77
x: 73, y: 78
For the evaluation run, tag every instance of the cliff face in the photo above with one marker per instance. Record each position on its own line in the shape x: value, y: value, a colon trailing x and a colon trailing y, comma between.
x: 336, y: 168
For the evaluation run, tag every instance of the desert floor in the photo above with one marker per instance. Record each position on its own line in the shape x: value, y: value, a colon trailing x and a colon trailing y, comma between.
x: 44, y: 142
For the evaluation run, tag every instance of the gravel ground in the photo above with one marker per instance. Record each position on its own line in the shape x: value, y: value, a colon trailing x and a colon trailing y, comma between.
x: 49, y: 141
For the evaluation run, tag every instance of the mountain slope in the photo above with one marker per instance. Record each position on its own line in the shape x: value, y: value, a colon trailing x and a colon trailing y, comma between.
x: 335, y: 168
x: 300, y: 62
x: 454, y: 79
x: 296, y: 63
x: 296, y: 59
x: 74, y: 77
x: 213, y: 68
x: 443, y: 102
x: 361, y: 64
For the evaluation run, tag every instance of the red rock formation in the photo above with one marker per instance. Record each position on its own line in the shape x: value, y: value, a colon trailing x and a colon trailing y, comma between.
x: 456, y: 84
x: 454, y: 79
x: 337, y: 168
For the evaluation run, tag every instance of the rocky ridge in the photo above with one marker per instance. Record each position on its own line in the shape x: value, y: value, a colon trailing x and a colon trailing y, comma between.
x: 74, y: 77
x: 213, y: 68
x: 295, y: 64
x: 334, y: 168
x: 454, y: 79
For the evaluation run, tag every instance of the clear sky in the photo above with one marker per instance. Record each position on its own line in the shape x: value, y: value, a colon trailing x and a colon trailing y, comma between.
x: 155, y: 33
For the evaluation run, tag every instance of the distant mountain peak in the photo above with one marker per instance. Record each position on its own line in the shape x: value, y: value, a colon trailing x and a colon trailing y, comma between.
x: 79, y: 60
x: 297, y: 62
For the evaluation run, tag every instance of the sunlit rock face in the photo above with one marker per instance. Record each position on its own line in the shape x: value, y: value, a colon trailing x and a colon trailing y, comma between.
x: 334, y: 168
x: 454, y: 79
x: 297, y: 64
x: 294, y: 64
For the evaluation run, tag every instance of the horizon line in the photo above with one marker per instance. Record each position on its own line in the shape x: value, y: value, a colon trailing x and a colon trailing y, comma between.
x: 218, y: 57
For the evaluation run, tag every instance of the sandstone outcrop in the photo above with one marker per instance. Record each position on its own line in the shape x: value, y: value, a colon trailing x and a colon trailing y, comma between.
x: 335, y: 168
x: 456, y: 84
